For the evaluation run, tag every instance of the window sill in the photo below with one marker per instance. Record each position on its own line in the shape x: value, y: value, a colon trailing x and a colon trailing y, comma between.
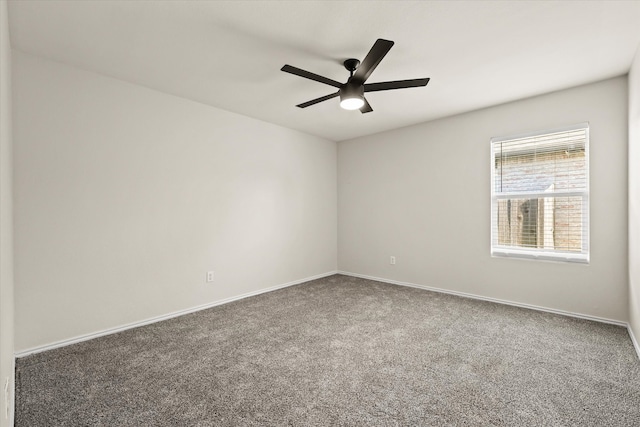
x: 540, y: 255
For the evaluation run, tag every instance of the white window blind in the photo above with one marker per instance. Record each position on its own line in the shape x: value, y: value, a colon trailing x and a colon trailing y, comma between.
x: 540, y: 195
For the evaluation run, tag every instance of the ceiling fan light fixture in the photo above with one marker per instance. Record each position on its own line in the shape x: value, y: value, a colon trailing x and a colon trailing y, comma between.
x: 351, y: 103
x: 351, y: 96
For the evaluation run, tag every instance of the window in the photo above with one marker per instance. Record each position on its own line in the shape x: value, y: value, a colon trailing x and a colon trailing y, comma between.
x: 540, y: 195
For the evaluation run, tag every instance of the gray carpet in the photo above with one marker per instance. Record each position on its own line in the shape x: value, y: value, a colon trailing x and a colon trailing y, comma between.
x: 341, y: 351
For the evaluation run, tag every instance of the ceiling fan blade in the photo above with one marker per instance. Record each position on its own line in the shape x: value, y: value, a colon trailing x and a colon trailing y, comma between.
x: 310, y: 76
x: 398, y: 84
x: 366, y: 108
x: 315, y: 101
x: 373, y: 58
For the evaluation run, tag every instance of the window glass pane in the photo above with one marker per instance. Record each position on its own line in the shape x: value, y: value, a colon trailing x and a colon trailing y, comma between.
x: 536, y: 171
x: 540, y: 195
x: 547, y: 223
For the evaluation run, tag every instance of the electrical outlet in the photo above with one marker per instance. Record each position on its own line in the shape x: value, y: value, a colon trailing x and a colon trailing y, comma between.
x: 210, y: 276
x: 392, y: 260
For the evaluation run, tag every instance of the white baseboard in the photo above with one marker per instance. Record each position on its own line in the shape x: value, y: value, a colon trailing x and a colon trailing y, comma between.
x: 12, y: 411
x: 11, y: 404
x: 109, y: 331
x: 633, y: 340
x: 117, y: 329
x: 496, y: 300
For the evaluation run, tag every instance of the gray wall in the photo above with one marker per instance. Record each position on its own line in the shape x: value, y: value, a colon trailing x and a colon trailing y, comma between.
x: 634, y: 196
x: 422, y: 194
x: 6, y: 224
x: 126, y: 197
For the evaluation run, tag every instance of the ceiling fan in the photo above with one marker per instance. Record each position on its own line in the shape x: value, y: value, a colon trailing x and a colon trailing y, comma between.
x: 352, y: 92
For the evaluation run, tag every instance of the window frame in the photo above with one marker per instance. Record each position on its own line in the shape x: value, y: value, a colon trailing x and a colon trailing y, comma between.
x: 535, y: 253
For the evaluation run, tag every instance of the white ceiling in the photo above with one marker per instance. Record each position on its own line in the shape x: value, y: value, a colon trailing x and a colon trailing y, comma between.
x: 229, y: 54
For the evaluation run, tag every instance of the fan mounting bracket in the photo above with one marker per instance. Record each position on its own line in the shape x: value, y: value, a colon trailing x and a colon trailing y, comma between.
x: 351, y: 64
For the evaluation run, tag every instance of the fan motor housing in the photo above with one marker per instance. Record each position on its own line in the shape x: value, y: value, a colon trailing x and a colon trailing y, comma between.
x: 352, y: 89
